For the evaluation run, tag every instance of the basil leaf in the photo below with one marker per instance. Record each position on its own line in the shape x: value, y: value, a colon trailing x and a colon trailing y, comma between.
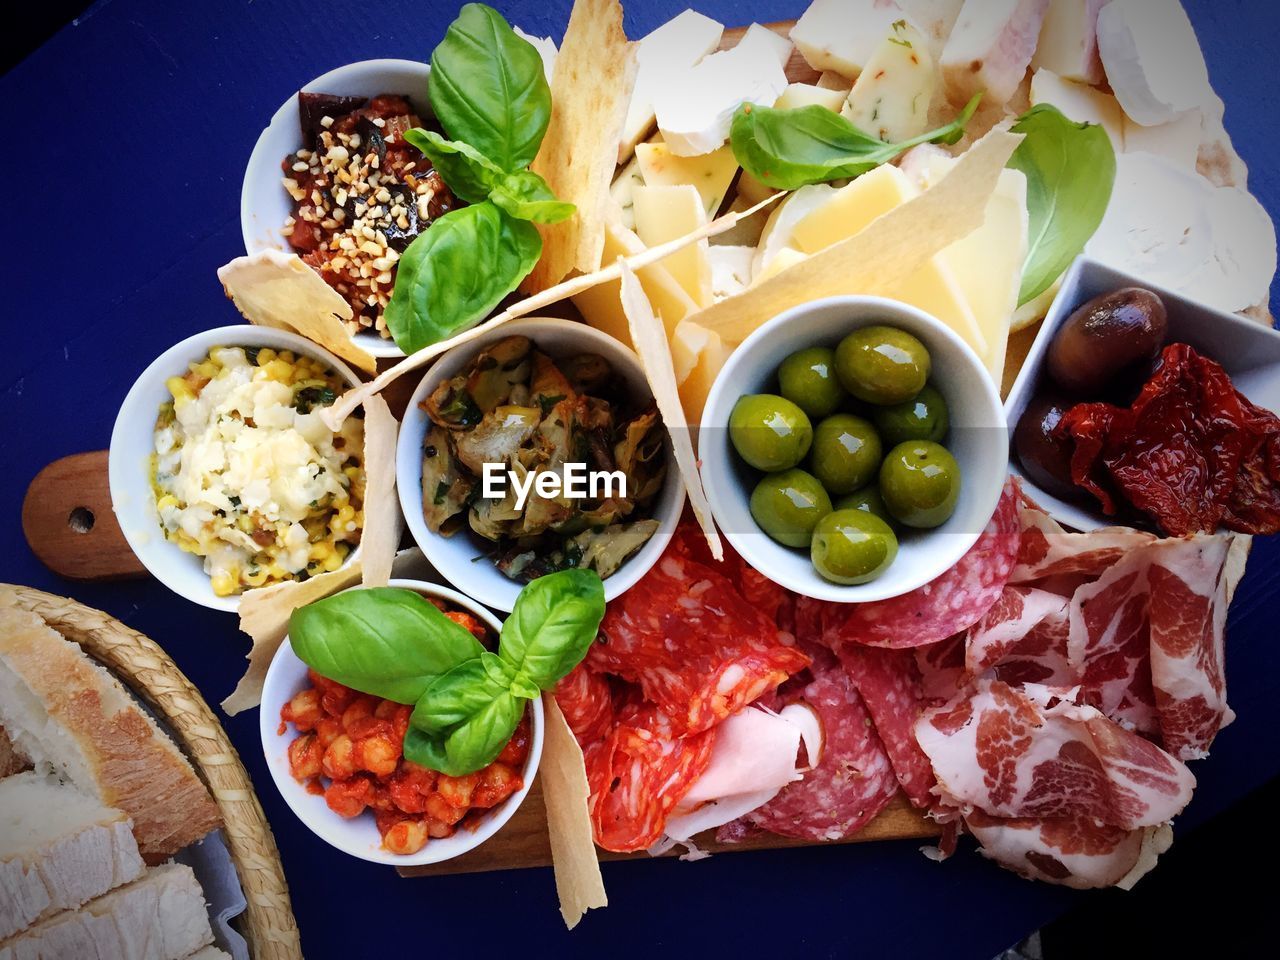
x: 526, y: 196
x: 488, y: 88
x: 787, y: 149
x: 468, y: 172
x: 455, y: 273
x: 462, y: 692
x: 471, y: 746
x: 383, y: 641
x: 1071, y: 170
x: 552, y: 625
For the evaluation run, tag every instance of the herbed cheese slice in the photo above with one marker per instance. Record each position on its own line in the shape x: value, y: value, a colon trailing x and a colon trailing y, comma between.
x: 891, y: 97
x: 621, y: 189
x: 841, y: 35
x: 1080, y: 103
x: 711, y: 174
x: 668, y: 213
x: 664, y: 56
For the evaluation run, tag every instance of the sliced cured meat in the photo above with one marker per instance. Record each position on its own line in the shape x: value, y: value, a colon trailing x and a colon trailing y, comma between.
x: 1048, y: 550
x: 587, y: 704
x: 1002, y: 753
x: 1071, y: 851
x: 772, y: 599
x: 1023, y: 639
x: 945, y: 606
x: 696, y: 647
x: 889, y: 685
x: 638, y: 775
x: 941, y: 668
x: 852, y: 781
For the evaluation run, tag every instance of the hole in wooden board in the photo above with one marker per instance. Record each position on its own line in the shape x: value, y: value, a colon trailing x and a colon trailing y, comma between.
x: 81, y: 520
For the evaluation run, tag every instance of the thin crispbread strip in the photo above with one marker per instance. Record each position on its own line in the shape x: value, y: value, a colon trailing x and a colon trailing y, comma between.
x: 650, y: 339
x: 336, y: 413
x: 381, y: 534
x: 264, y: 616
x: 64, y: 710
x: 885, y: 253
x: 579, y: 884
x: 590, y: 92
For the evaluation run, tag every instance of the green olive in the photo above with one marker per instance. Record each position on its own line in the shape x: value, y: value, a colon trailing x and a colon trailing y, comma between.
x: 920, y: 483
x: 882, y: 365
x: 868, y: 500
x: 769, y: 432
x: 846, y: 453
x: 852, y: 546
x: 923, y: 417
x: 788, y: 506
x: 808, y: 379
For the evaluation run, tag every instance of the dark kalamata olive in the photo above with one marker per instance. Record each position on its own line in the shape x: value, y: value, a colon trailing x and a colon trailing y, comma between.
x: 1107, y: 341
x: 314, y: 107
x: 1045, y: 459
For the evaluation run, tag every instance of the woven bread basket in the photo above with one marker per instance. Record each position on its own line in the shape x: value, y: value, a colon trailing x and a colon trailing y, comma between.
x: 267, y: 923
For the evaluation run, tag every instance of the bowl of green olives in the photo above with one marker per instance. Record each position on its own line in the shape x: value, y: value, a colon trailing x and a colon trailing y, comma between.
x: 853, y: 448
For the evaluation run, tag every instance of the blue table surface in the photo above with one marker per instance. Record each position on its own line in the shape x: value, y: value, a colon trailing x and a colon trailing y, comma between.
x: 131, y: 196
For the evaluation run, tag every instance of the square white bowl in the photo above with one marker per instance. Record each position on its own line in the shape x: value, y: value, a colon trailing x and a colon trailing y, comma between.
x: 976, y: 439
x: 460, y: 558
x: 1248, y: 351
x: 264, y: 204
x: 358, y: 836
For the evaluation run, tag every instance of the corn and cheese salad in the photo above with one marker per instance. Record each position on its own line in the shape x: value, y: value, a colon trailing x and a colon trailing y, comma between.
x: 248, y: 476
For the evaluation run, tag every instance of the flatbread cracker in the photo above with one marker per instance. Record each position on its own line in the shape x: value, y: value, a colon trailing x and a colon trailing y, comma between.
x: 335, y: 414
x: 591, y: 90
x: 650, y: 339
x: 276, y: 289
x: 884, y: 254
x: 382, y: 520
x: 565, y: 792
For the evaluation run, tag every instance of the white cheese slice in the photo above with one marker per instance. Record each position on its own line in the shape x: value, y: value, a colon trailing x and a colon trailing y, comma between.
x: 663, y: 57
x: 1152, y: 59
x: 891, y: 97
x: 841, y: 35
x: 830, y: 80
x: 668, y: 213
x: 990, y: 47
x: 781, y: 224
x: 730, y: 269
x: 1080, y: 103
x: 546, y: 48
x: 1178, y: 140
x: 695, y: 113
x: 711, y: 174
x: 1068, y: 43
x: 807, y: 95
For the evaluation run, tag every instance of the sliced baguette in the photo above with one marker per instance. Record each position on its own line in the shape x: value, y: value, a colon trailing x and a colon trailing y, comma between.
x: 66, y: 713
x: 159, y: 917
x: 59, y: 849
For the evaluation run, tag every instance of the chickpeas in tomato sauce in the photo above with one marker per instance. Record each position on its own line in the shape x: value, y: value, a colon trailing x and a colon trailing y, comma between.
x: 350, y: 748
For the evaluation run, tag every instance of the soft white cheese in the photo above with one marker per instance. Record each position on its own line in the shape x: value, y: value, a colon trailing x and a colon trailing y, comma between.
x: 1152, y: 59
x: 1069, y: 41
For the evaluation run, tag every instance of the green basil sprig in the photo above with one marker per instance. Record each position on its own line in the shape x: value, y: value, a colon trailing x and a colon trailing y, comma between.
x: 1071, y: 170
x: 467, y: 700
x: 490, y: 94
x: 787, y: 149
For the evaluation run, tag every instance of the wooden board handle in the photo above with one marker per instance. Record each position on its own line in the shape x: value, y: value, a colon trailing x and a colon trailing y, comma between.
x: 70, y: 526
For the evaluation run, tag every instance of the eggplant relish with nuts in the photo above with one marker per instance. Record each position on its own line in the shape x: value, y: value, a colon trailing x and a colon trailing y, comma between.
x: 361, y: 194
x: 516, y: 407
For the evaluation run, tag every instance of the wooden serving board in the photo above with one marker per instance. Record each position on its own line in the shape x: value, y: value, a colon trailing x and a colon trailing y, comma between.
x: 69, y: 525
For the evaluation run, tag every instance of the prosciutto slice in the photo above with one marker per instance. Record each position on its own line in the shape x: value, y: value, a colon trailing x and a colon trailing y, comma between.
x: 1048, y: 550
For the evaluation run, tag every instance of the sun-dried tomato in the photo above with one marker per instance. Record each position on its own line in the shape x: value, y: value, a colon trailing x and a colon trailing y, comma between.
x: 1190, y: 452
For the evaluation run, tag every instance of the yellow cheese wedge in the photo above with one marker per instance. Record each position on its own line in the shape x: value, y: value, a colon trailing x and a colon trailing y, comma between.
x: 806, y: 95
x: 601, y: 306
x: 710, y: 174
x: 784, y: 258
x: 668, y: 213
x: 698, y: 354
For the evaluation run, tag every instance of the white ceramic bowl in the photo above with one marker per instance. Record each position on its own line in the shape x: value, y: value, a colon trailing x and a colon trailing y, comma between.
x: 133, y: 443
x: 287, y: 676
x: 264, y: 204
x: 461, y: 557
x: 977, y: 440
x: 1248, y: 351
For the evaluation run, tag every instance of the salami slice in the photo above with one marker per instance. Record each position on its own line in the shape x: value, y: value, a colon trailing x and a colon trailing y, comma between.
x: 889, y: 684
x: 587, y: 704
x: 945, y: 606
x: 697, y: 648
x: 851, y: 783
x: 639, y: 773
